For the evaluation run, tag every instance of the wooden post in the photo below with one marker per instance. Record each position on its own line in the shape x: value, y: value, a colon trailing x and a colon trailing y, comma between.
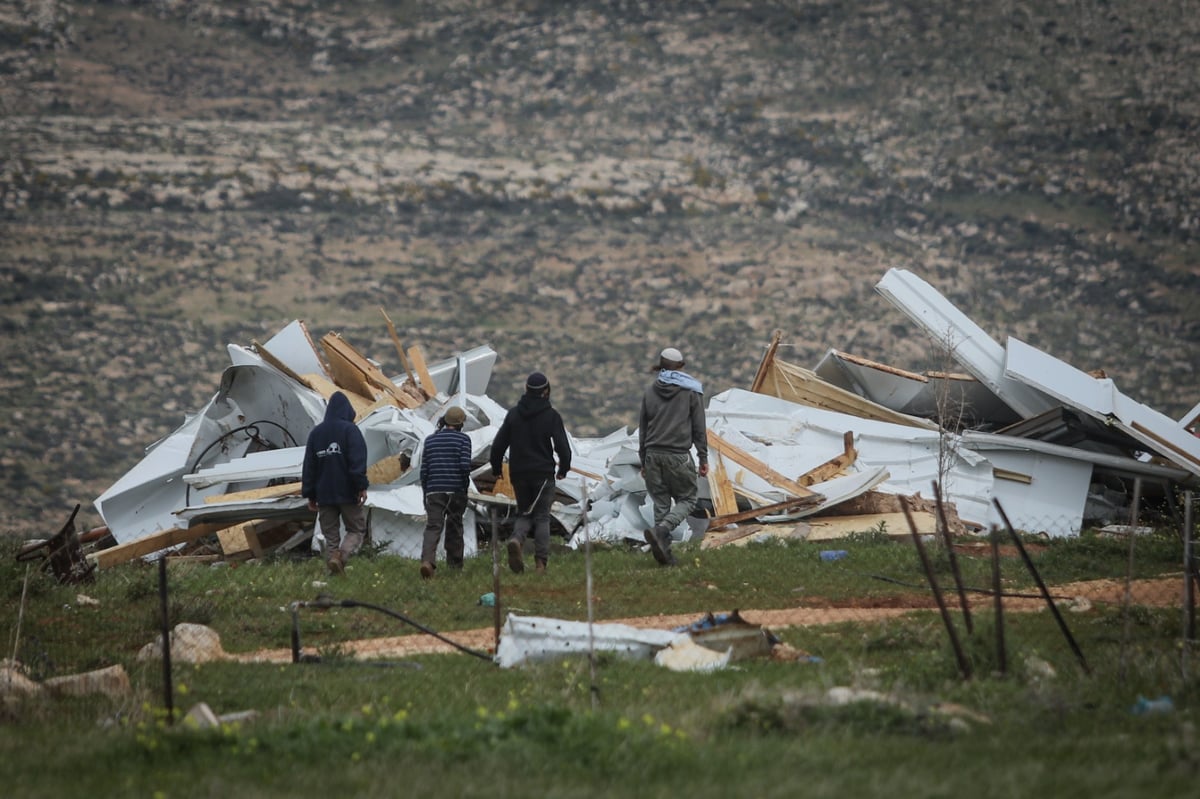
x: 768, y: 359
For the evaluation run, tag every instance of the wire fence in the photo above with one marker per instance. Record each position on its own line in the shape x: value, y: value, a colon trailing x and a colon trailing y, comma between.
x: 1132, y: 586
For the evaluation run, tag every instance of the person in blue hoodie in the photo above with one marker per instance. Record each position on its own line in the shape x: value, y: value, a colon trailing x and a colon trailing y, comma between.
x: 670, y: 423
x: 334, y: 480
x: 533, y: 434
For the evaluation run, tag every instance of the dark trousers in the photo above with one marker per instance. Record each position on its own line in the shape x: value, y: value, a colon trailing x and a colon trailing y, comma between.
x: 444, y: 510
x: 534, y: 498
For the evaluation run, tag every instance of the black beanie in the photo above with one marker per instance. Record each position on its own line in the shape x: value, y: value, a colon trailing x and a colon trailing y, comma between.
x: 536, y: 383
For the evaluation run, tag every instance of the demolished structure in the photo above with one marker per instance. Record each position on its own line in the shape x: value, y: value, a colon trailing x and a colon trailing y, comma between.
x: 1057, y: 447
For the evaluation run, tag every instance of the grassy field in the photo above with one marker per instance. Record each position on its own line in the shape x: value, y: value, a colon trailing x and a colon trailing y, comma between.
x: 458, y: 725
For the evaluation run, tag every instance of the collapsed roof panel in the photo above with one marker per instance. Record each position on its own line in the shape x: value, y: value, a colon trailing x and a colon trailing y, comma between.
x: 789, y: 437
x: 1100, y: 398
x: 954, y: 400
x: 954, y: 332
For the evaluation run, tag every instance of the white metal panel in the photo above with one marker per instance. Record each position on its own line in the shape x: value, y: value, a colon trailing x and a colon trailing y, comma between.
x: 1100, y: 398
x: 970, y: 345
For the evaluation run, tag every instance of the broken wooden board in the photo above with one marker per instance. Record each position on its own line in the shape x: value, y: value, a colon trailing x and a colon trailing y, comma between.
x: 418, y: 361
x: 877, y: 503
x: 148, y: 545
x: 355, y: 372
x: 720, y: 489
x: 834, y: 466
x: 787, y: 506
x: 399, y: 348
x: 753, y: 464
x: 281, y: 490
x: 803, y: 386
x: 894, y: 525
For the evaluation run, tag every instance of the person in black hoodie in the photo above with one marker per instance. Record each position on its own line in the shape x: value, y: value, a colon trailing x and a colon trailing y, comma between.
x: 334, y: 480
x: 532, y: 433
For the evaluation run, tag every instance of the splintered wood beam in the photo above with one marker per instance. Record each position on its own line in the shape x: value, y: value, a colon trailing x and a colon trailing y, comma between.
x: 748, y: 461
x: 148, y: 545
x: 281, y: 490
x: 354, y: 371
x: 399, y: 348
x: 418, y: 360
x: 798, y: 503
x: 834, y: 466
x: 720, y: 489
x: 768, y: 359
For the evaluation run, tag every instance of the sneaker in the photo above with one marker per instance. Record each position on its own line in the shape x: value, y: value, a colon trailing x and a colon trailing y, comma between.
x: 515, y: 561
x: 540, y: 566
x: 656, y: 547
x: 426, y: 570
x: 337, y: 564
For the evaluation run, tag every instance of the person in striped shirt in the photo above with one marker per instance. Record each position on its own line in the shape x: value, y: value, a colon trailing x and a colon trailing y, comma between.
x: 445, y: 473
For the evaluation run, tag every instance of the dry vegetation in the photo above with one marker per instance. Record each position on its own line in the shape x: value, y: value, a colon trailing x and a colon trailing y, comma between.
x: 576, y: 184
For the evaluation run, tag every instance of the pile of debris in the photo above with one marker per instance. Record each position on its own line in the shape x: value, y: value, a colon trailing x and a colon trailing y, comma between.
x: 810, y: 453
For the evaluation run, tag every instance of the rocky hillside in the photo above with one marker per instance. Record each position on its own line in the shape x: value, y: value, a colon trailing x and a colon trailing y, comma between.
x: 577, y: 184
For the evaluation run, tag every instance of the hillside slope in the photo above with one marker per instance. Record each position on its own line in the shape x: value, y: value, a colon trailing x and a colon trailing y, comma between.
x: 577, y: 184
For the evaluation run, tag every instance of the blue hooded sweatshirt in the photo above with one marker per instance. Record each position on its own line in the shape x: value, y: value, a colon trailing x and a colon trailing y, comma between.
x: 335, y: 457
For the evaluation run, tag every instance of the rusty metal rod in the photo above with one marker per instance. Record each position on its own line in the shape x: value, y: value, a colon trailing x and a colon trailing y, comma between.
x: 168, y: 693
x: 1037, y: 578
x: 998, y: 604
x: 964, y: 666
x: 958, y: 581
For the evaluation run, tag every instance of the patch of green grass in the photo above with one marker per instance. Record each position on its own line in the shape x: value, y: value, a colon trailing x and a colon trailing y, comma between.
x: 905, y: 724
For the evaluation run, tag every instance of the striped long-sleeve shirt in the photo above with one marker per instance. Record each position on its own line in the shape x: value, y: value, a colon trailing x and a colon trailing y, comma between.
x: 446, y: 461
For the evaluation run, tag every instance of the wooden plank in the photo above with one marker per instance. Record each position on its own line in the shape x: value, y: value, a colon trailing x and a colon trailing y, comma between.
x: 354, y: 371
x: 281, y: 490
x: 787, y: 505
x: 834, y: 466
x: 827, y: 528
x: 148, y: 545
x: 720, y: 489
x: 418, y: 360
x: 385, y: 470
x: 768, y: 359
x: 745, y: 459
x: 400, y: 350
x: 240, y: 539
x: 804, y: 387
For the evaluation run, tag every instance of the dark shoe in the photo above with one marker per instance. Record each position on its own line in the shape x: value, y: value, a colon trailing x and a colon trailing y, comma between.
x: 515, y: 560
x: 426, y: 570
x: 540, y: 566
x: 337, y: 563
x: 656, y: 547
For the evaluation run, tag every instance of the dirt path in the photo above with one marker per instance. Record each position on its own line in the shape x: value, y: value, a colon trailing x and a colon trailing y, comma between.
x: 1159, y: 592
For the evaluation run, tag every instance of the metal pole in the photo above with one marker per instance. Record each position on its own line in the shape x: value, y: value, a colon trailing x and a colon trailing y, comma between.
x: 1189, y: 573
x: 964, y: 665
x: 998, y: 601
x: 1128, y: 598
x: 495, y: 576
x: 1037, y: 578
x: 587, y: 549
x: 168, y: 694
x: 958, y: 581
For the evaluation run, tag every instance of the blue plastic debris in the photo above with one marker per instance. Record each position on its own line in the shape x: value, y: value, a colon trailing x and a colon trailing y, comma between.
x: 1144, y: 706
x: 833, y: 554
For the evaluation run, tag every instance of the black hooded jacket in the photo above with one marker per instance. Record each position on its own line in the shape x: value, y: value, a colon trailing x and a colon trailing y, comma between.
x: 532, y: 433
x: 335, y: 457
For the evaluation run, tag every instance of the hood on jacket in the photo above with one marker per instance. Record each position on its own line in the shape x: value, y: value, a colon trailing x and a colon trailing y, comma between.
x: 339, y: 407
x: 531, y: 405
